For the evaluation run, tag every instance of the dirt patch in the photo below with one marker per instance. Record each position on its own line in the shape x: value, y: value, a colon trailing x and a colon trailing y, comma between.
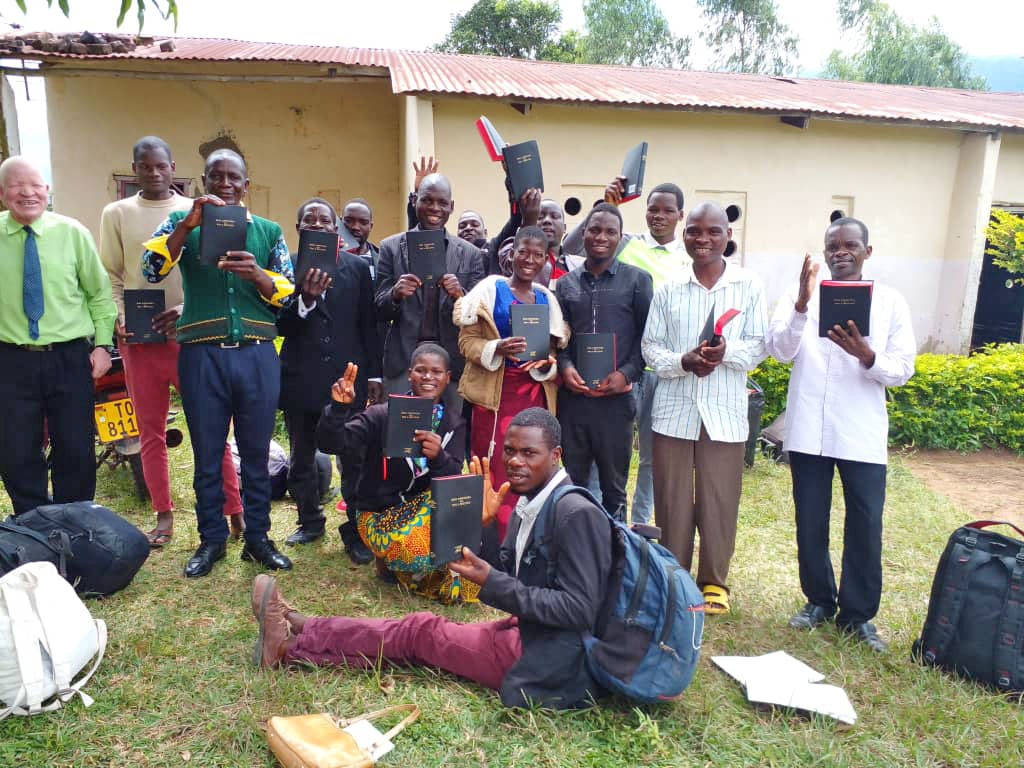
x: 987, y: 485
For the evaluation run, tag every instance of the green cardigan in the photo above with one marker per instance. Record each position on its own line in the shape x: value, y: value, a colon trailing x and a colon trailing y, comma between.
x: 220, y: 306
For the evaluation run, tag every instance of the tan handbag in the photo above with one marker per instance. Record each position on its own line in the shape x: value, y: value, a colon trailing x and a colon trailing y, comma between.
x: 318, y: 741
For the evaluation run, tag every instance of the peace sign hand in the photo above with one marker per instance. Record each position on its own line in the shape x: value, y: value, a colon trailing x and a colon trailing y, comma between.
x: 344, y: 389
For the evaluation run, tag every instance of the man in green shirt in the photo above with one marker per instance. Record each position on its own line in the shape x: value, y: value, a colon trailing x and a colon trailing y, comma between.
x: 56, y: 327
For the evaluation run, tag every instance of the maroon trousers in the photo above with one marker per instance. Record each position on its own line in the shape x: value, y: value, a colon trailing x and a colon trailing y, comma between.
x: 482, y: 651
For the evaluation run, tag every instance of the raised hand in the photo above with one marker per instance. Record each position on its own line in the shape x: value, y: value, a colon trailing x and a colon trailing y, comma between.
x: 492, y: 498
x: 615, y: 190
x: 808, y: 279
x: 344, y: 389
x: 424, y: 169
x: 529, y: 205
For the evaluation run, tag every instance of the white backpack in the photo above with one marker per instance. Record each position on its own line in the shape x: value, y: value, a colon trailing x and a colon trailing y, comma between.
x: 47, y: 636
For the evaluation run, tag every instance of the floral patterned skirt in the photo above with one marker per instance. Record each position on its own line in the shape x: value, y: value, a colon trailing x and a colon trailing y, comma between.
x: 400, y: 535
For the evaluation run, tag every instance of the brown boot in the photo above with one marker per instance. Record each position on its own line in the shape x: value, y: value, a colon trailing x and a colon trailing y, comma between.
x: 271, y: 613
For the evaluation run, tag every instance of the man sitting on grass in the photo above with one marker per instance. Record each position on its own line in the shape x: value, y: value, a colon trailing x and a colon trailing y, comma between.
x: 536, y: 654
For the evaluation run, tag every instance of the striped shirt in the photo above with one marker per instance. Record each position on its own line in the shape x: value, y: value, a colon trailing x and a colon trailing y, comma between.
x: 684, y: 401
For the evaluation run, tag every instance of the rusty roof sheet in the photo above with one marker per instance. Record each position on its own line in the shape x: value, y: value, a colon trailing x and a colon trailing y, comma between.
x: 494, y: 77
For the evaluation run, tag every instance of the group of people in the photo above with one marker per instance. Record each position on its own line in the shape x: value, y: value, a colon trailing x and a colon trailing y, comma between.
x: 370, y: 328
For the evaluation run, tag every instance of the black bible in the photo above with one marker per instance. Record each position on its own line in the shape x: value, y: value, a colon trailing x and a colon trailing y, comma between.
x: 406, y: 414
x: 595, y: 357
x: 222, y: 230
x: 533, y: 323
x: 427, y: 258
x: 317, y: 250
x: 522, y: 163
x: 844, y: 300
x: 456, y: 519
x: 633, y: 169
x: 141, y: 305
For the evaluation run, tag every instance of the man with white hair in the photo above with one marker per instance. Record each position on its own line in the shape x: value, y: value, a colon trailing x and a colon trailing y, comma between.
x: 56, y: 329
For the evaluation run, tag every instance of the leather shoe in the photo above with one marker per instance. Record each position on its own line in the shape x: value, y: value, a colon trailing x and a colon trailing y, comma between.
x: 811, y: 616
x: 867, y: 633
x: 358, y: 552
x: 272, y: 617
x: 304, y: 536
x: 266, y: 554
x: 201, y: 563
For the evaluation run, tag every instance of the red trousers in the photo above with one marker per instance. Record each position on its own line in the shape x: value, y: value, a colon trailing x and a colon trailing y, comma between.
x: 481, y: 652
x: 150, y: 370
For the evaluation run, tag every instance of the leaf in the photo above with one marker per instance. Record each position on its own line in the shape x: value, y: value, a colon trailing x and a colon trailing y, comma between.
x: 125, y: 6
x: 21, y: 4
x: 64, y: 8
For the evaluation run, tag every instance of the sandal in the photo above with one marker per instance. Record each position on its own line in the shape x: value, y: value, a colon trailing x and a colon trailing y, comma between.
x: 716, y: 599
x: 158, y: 537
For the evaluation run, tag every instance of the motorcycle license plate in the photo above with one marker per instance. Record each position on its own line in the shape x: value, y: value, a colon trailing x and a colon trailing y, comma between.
x: 116, y: 420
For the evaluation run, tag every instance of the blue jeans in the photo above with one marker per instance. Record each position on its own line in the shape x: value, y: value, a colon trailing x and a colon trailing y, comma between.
x: 643, y: 495
x: 217, y: 386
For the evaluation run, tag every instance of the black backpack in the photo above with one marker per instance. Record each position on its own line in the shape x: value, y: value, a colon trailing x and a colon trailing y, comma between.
x: 102, y: 551
x: 975, y: 623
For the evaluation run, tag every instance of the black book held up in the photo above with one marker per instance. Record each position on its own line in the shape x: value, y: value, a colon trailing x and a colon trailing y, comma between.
x: 844, y: 300
x: 318, y: 249
x: 349, y: 242
x: 141, y: 305
x: 427, y: 259
x: 533, y: 323
x: 406, y: 414
x: 633, y: 169
x: 456, y: 519
x: 522, y: 163
x: 595, y: 356
x: 222, y: 230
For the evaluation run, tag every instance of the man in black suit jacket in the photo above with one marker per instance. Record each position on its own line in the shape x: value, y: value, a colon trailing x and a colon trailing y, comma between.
x: 420, y: 312
x: 332, y: 323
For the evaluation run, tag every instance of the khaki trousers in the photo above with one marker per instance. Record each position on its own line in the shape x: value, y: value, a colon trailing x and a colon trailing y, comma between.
x: 697, y: 486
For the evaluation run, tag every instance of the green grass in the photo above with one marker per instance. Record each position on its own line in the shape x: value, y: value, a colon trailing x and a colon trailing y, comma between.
x: 177, y: 688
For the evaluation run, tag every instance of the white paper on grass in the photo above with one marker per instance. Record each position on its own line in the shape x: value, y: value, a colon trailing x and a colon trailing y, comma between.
x: 778, y: 678
x: 366, y: 736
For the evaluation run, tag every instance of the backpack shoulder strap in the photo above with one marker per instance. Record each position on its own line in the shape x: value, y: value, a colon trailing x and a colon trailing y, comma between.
x: 542, y: 541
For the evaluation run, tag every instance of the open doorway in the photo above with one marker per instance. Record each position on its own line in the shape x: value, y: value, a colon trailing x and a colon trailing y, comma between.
x: 999, y: 313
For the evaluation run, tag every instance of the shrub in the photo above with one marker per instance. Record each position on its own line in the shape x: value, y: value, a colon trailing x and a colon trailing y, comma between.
x: 952, y: 401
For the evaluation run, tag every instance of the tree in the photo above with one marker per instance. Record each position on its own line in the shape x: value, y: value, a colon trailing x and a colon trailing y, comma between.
x: 1005, y: 236
x: 630, y: 33
x: 520, y: 29
x: 166, y: 8
x: 747, y: 36
x: 895, y: 51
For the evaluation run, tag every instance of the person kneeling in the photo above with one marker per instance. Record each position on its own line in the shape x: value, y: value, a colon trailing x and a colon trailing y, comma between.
x: 392, y: 495
x: 536, y: 654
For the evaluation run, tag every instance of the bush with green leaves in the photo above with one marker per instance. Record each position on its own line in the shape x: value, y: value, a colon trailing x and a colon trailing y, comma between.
x: 955, y: 402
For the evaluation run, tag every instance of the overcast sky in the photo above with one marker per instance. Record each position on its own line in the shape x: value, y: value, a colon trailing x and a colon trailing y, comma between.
x: 982, y: 27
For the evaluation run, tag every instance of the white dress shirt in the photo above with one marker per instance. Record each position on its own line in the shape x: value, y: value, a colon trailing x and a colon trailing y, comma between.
x: 836, y: 406
x: 528, y: 509
x: 683, y: 400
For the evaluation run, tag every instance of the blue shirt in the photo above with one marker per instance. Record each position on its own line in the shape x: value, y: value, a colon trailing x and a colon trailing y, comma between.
x: 503, y: 299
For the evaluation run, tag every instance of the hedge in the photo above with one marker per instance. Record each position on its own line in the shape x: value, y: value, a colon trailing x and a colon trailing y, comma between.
x: 953, y: 402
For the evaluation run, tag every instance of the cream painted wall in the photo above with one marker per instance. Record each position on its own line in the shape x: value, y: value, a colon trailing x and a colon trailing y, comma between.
x: 900, y: 179
x: 298, y: 138
x: 1009, y: 189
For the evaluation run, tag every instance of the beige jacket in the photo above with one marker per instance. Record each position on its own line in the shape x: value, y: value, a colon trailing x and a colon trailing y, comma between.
x: 478, y: 343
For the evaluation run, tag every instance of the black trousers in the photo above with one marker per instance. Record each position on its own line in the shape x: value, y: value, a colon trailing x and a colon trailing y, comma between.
x: 860, y: 589
x: 304, y: 476
x: 598, y: 430
x: 54, y: 386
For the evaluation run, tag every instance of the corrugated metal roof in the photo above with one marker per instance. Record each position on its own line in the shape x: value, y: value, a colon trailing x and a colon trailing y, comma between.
x: 490, y: 76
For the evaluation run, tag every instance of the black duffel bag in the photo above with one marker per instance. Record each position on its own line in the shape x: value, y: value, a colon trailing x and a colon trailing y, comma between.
x: 20, y: 545
x: 106, y: 550
x: 975, y: 623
